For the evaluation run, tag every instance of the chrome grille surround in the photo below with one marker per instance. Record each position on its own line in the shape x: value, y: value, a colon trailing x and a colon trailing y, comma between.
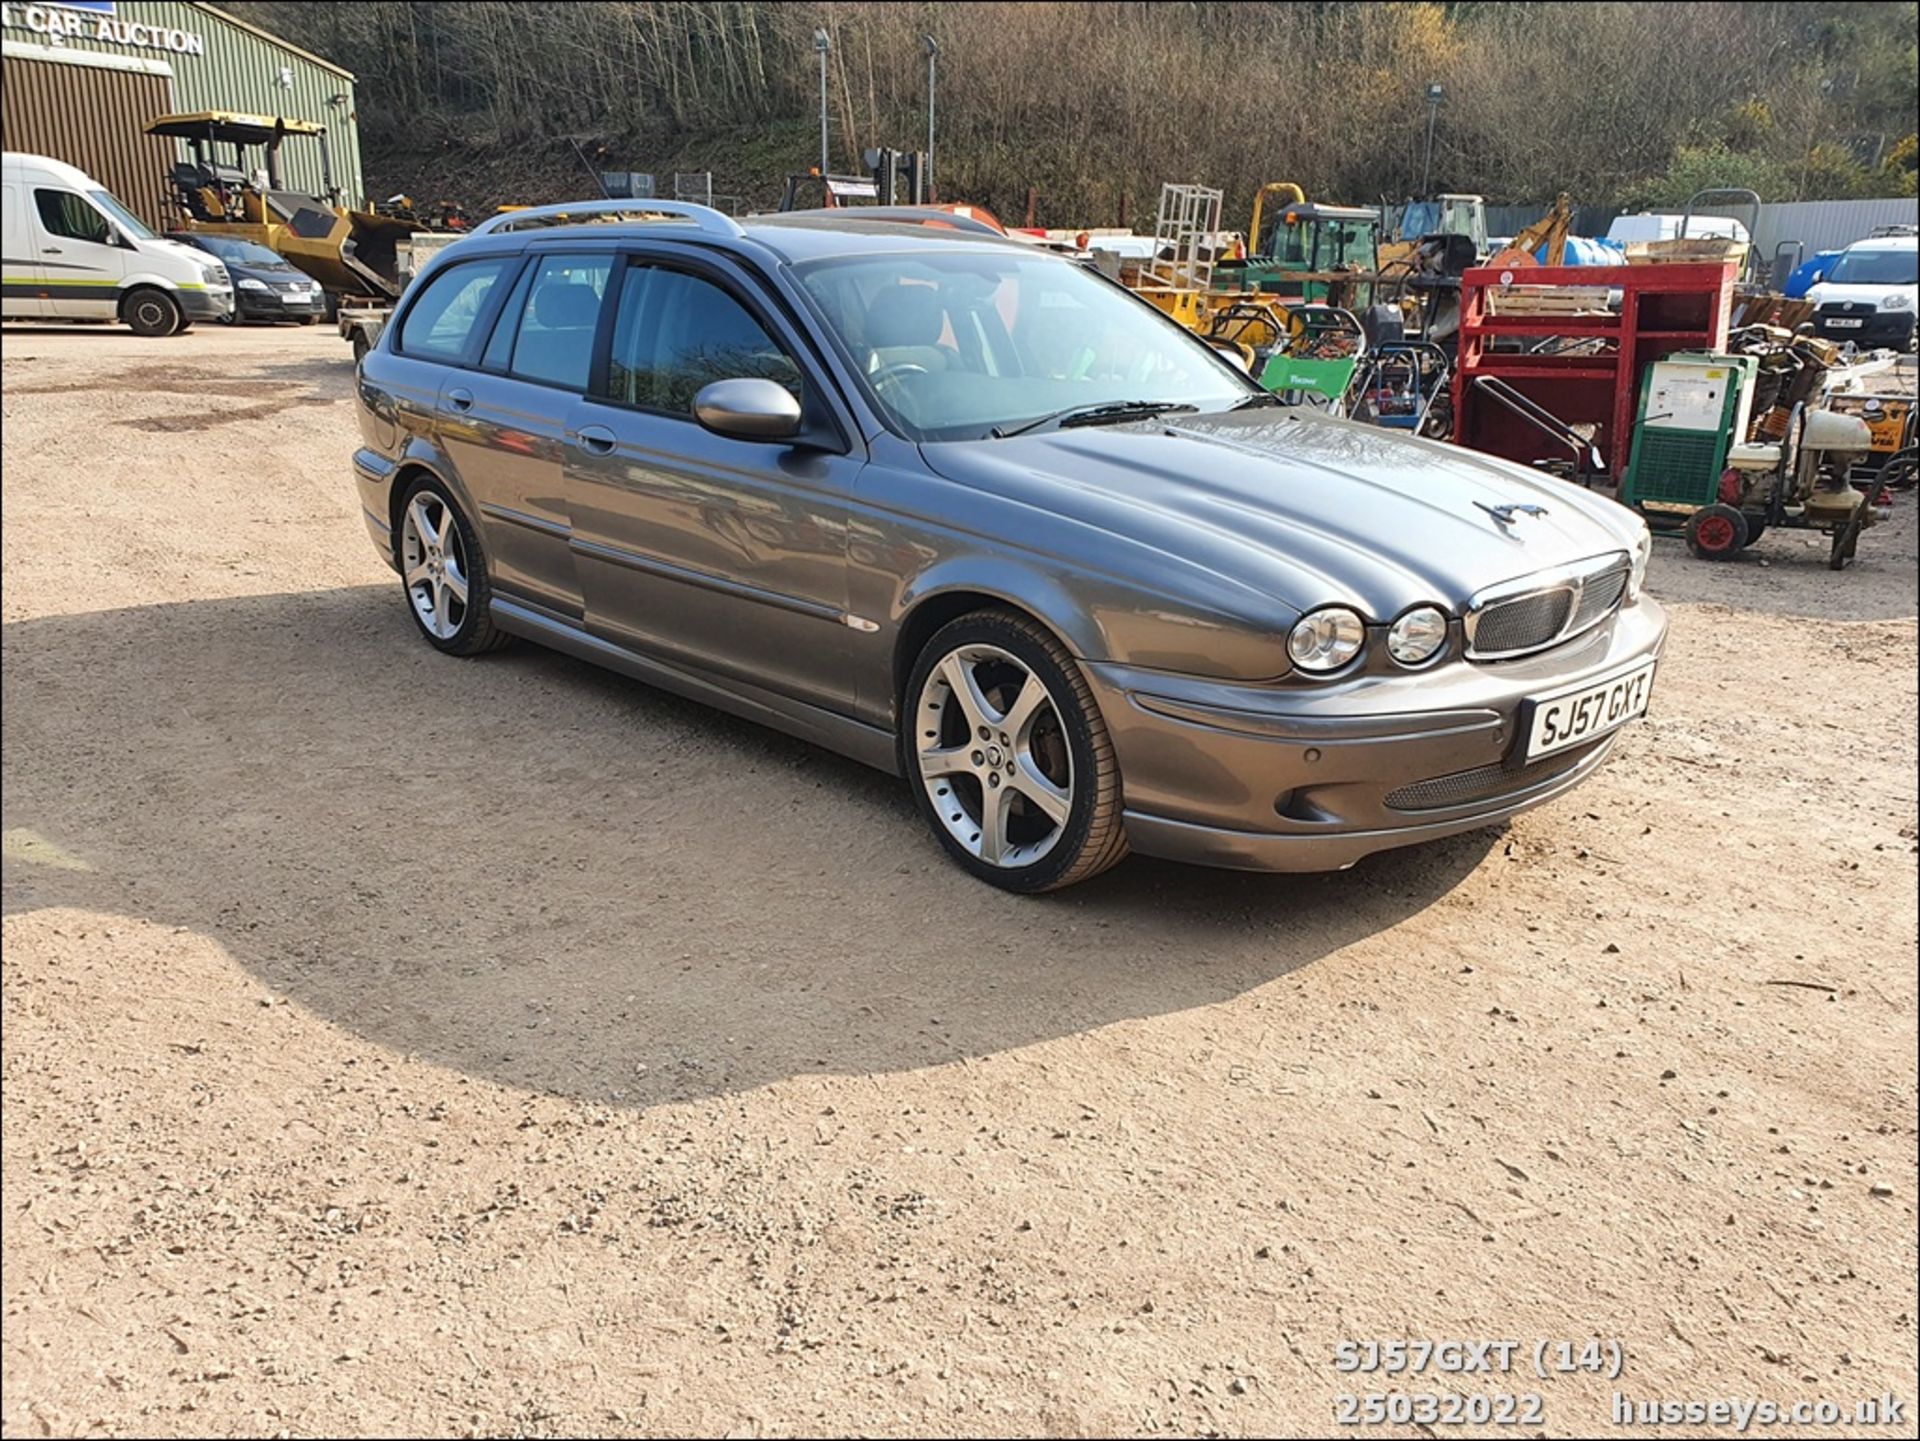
x: 1528, y: 614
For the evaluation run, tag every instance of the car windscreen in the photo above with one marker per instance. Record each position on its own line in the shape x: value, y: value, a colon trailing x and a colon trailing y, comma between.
x: 127, y: 220
x: 1877, y: 267
x: 954, y: 344
x: 241, y: 252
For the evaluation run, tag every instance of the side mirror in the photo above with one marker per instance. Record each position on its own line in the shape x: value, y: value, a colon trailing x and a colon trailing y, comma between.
x: 748, y: 409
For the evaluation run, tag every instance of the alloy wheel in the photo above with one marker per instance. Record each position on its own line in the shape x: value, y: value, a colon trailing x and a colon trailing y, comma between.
x: 434, y: 561
x: 993, y: 756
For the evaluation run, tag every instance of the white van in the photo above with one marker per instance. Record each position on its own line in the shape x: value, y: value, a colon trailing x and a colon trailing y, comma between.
x: 1649, y: 225
x: 1871, y: 294
x: 73, y: 252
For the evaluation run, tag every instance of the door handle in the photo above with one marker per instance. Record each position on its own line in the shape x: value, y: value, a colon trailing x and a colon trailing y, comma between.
x: 51, y: 250
x: 461, y: 400
x: 596, y: 438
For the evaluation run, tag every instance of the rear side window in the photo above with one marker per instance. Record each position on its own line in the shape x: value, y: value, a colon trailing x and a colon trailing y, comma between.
x: 676, y: 333
x: 440, y: 323
x: 547, y: 333
x: 70, y: 217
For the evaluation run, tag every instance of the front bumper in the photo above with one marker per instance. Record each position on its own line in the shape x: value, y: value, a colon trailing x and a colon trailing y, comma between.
x: 205, y: 304
x: 1877, y: 327
x: 253, y: 305
x: 1275, y: 778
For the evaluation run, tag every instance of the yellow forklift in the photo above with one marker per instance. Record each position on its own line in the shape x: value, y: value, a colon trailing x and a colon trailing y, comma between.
x: 233, y: 185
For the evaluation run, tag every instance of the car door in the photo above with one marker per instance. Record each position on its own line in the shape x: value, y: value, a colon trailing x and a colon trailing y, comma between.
x: 80, y: 254
x: 723, y: 554
x: 503, y: 422
x: 458, y: 417
x: 24, y: 275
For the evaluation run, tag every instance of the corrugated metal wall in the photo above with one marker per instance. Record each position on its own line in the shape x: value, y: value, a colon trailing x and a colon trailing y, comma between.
x: 92, y: 118
x: 1817, y: 224
x: 1829, y: 224
x: 238, y: 69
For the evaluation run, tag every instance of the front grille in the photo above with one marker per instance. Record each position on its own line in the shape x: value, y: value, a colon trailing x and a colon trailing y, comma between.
x: 1488, y: 782
x: 1519, y: 617
x: 1599, y: 596
x: 1527, y: 623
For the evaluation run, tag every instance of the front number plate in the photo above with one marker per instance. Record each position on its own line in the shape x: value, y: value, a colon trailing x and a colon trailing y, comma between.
x: 1846, y: 324
x: 1575, y: 716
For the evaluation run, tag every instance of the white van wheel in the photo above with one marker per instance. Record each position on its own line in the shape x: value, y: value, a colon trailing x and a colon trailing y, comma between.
x: 152, y: 313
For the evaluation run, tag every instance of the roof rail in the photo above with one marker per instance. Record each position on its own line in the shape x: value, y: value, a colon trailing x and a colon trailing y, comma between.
x: 931, y: 215
x: 705, y: 217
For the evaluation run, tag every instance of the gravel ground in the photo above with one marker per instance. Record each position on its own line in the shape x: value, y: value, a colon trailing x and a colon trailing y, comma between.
x: 396, y: 1044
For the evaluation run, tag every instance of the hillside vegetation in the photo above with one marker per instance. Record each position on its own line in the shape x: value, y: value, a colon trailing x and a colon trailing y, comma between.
x: 1087, y: 106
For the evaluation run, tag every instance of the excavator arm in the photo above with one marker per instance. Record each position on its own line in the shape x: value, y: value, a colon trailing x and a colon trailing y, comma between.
x: 1552, y: 230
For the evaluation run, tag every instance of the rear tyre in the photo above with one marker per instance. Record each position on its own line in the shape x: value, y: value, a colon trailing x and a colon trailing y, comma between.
x: 360, y: 346
x: 308, y: 319
x: 1717, y: 532
x: 153, y: 313
x: 1008, y: 756
x: 443, y: 573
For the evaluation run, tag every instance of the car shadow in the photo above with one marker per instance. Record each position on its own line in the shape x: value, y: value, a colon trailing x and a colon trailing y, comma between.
x: 546, y: 875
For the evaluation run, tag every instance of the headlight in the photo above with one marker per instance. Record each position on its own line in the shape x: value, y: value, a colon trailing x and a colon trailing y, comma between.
x: 215, y: 275
x: 249, y: 283
x: 1642, y: 553
x: 1326, y: 639
x: 1897, y: 302
x: 1417, y: 636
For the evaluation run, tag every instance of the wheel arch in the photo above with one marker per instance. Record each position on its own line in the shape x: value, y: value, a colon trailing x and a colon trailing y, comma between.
x: 928, y: 609
x: 412, y: 469
x: 132, y: 287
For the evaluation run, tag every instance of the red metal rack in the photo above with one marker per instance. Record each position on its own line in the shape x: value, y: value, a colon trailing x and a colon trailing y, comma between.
x: 1663, y: 308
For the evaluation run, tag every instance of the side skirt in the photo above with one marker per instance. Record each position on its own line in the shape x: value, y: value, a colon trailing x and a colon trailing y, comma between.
x: 867, y: 744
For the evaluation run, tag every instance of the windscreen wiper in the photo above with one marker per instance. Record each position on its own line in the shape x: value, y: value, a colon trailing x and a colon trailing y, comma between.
x: 1105, y: 413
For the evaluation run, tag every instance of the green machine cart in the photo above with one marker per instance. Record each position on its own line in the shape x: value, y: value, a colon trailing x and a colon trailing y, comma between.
x: 1315, y: 366
x: 1693, y: 467
x: 1694, y: 409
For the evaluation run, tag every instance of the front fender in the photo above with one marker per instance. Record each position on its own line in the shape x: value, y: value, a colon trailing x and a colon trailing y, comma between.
x: 1014, y: 580
x: 1099, y: 617
x: 158, y: 281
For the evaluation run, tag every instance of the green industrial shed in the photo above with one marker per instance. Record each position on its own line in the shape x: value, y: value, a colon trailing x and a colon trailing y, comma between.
x: 83, y: 80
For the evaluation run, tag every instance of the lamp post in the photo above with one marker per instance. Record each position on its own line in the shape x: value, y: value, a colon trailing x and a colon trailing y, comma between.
x: 933, y: 54
x: 1435, y: 93
x: 822, y: 43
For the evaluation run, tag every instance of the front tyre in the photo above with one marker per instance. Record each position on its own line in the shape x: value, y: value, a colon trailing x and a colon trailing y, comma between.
x: 1009, y: 757
x: 444, y: 573
x: 153, y: 313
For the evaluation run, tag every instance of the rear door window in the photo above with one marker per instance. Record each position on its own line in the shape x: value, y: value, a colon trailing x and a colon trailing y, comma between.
x: 676, y: 332
x: 547, y: 334
x: 441, y: 323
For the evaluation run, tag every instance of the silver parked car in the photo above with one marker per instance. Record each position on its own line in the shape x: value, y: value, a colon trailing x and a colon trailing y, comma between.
x: 967, y: 511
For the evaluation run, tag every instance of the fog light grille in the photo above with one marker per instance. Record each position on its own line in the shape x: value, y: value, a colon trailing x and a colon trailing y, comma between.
x: 1488, y: 782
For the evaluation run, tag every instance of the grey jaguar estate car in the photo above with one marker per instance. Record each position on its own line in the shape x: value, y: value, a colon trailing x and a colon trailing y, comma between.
x: 968, y: 512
